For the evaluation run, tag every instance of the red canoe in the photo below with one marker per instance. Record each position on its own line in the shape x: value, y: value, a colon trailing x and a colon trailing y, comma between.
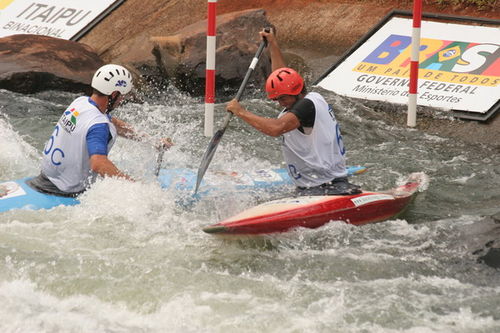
x: 315, y: 211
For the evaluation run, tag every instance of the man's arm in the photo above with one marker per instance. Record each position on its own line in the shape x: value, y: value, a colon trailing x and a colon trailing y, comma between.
x: 97, y: 139
x: 277, y: 60
x: 101, y: 165
x: 270, y: 126
x: 126, y: 130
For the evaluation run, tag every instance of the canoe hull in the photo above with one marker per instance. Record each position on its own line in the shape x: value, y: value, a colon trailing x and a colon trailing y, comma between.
x: 16, y: 194
x: 315, y: 211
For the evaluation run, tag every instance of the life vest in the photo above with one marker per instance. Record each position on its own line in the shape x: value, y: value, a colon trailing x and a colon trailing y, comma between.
x: 66, y: 161
x: 318, y: 157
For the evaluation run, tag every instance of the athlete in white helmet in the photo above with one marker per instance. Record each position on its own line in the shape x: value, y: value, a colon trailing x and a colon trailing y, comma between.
x: 79, y: 146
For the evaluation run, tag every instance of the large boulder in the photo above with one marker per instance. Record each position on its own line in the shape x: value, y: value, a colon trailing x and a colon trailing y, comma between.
x: 181, y: 57
x: 320, y: 27
x: 316, y: 32
x: 124, y: 36
x: 32, y: 63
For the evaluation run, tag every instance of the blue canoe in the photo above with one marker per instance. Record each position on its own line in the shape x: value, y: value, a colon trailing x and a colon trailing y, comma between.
x: 16, y: 194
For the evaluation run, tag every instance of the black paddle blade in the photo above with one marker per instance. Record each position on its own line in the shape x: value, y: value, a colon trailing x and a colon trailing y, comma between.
x: 207, y: 157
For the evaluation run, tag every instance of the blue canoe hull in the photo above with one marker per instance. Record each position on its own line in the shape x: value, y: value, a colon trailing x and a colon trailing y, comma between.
x: 16, y: 194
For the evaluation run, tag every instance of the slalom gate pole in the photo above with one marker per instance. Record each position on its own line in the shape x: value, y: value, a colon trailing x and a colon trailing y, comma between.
x: 415, y: 51
x: 210, y: 69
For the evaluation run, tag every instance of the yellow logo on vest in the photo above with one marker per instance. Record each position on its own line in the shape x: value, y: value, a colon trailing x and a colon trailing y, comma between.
x: 68, y: 120
x: 5, y: 3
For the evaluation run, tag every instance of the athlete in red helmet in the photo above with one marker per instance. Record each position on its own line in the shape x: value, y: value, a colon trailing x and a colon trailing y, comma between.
x: 312, y: 143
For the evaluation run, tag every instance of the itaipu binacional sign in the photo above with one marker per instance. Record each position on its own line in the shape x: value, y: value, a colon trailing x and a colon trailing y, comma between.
x: 459, y: 66
x: 66, y: 19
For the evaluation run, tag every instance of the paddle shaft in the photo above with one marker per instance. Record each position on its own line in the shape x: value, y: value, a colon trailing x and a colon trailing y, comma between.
x: 251, y: 68
x: 159, y: 160
x: 212, y: 146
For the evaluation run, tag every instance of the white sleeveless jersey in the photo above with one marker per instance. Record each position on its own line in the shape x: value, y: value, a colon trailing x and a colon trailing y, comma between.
x: 316, y: 158
x: 66, y: 161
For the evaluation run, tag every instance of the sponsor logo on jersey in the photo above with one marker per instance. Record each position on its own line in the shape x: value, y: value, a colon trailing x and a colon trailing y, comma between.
x: 68, y: 120
x: 5, y: 3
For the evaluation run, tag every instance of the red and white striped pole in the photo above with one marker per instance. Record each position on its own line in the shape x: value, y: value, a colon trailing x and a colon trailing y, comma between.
x: 210, y: 69
x: 415, y: 51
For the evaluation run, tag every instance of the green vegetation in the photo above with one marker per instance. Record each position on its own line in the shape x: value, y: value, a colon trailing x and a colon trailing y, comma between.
x: 480, y: 4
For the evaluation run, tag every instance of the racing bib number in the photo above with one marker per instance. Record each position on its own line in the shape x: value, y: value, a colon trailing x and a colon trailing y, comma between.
x: 56, y: 154
x: 293, y: 171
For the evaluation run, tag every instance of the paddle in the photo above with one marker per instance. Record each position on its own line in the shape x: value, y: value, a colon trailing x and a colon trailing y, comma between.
x: 159, y: 160
x: 212, y: 145
x: 164, y: 144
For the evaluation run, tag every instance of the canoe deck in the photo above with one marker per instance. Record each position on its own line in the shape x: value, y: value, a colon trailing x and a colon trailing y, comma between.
x: 16, y: 194
x: 314, y: 211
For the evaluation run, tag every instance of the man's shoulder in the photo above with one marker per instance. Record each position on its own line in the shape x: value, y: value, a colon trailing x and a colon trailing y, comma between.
x: 305, y: 110
x: 314, y: 95
x: 304, y: 104
x: 80, y: 101
x: 86, y: 110
x: 83, y: 103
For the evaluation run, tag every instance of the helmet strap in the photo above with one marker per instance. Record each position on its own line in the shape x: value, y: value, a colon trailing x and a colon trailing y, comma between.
x: 297, y: 98
x: 111, y: 102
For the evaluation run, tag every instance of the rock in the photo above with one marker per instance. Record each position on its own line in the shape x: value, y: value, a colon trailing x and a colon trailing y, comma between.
x: 181, y: 59
x: 486, y: 235
x: 496, y: 217
x: 33, y: 63
x: 318, y: 28
x: 482, y: 238
x: 316, y: 31
x: 492, y: 257
x: 124, y: 35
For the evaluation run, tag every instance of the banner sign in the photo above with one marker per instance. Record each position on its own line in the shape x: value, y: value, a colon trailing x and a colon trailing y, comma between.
x: 55, y: 18
x: 459, y: 66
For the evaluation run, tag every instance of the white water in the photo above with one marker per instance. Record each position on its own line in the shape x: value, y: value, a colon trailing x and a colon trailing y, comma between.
x: 128, y: 259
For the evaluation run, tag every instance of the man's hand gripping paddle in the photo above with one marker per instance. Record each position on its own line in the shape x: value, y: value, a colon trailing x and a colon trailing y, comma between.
x: 212, y: 145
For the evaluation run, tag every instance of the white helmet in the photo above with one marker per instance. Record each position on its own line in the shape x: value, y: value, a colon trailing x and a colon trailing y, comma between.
x: 110, y: 78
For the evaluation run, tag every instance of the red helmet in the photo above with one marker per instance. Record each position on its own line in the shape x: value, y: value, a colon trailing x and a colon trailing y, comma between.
x: 284, y: 81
